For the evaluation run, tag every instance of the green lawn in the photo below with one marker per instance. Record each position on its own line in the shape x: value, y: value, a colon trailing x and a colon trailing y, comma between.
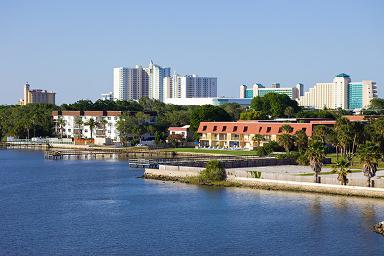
x: 355, y: 164
x: 211, y: 151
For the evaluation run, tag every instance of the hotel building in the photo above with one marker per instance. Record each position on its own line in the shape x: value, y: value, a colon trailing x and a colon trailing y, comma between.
x: 261, y: 90
x: 37, y: 96
x: 341, y: 93
x: 189, y: 86
x: 240, y: 134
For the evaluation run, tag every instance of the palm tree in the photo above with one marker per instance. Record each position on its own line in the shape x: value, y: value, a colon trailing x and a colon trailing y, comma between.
x: 92, y: 124
x: 320, y: 132
x: 103, y: 123
x: 341, y: 167
x: 289, y: 111
x: 258, y: 138
x: 369, y: 155
x: 61, y: 123
x: 315, y: 154
x: 285, y: 140
x: 286, y: 128
x: 78, y: 123
x: 301, y: 140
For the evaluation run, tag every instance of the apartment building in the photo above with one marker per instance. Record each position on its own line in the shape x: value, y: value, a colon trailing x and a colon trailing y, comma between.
x: 75, y: 123
x: 130, y: 83
x: 240, y: 134
x: 38, y: 96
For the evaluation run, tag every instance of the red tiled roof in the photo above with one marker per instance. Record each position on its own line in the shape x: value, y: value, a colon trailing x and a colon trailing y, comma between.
x: 254, y: 127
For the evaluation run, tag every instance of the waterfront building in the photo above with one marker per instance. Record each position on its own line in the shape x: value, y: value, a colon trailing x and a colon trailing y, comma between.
x: 216, y: 101
x: 156, y: 76
x: 189, y: 86
x: 341, y: 93
x: 241, y: 134
x: 37, y: 96
x: 75, y: 123
x: 184, y: 131
x: 130, y: 83
x: 261, y: 90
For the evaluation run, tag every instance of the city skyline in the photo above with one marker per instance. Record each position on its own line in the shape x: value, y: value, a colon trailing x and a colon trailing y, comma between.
x: 71, y: 48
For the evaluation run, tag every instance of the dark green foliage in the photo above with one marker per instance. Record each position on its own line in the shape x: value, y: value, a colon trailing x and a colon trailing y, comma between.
x: 213, y: 171
x: 275, y: 105
x: 32, y: 120
x: 207, y: 113
x: 252, y: 114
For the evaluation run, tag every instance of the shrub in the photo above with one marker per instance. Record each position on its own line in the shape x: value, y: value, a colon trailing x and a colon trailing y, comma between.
x: 273, y: 146
x: 213, y: 171
x: 261, y: 151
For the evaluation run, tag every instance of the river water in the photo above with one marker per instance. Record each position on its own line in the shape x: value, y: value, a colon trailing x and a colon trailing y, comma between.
x: 75, y: 207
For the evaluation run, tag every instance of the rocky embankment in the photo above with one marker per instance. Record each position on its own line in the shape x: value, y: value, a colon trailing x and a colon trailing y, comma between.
x: 379, y: 228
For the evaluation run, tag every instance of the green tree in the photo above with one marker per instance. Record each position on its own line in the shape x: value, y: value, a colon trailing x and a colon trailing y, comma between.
x: 213, y: 171
x: 315, y: 154
x: 132, y: 126
x: 60, y: 125
x: 301, y: 140
x: 258, y: 138
x: 341, y: 167
x: 274, y: 104
x: 91, y: 123
x: 285, y: 140
x: 103, y: 124
x: 207, y: 113
x: 252, y: 114
x: 78, y: 126
x: 289, y: 111
x: 320, y: 132
x: 369, y: 156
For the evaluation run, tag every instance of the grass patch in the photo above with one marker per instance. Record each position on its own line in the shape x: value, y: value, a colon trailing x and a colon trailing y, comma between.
x: 214, y: 152
x: 322, y: 173
x: 355, y: 164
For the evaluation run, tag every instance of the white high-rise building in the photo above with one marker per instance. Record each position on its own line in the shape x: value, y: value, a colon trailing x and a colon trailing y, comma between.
x: 130, y: 83
x: 190, y: 86
x: 156, y: 75
x: 341, y: 93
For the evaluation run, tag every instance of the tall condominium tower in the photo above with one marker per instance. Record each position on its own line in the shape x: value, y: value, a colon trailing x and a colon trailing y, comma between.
x: 341, y: 93
x: 190, y: 86
x: 130, y: 83
x: 156, y: 75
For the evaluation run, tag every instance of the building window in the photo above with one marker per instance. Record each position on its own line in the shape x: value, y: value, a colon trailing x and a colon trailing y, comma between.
x: 269, y: 129
x: 204, y: 128
x: 245, y: 129
x: 224, y: 128
x: 214, y: 128
x: 235, y: 128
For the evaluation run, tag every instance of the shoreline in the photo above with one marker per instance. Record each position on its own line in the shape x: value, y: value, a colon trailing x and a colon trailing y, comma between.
x: 267, y: 184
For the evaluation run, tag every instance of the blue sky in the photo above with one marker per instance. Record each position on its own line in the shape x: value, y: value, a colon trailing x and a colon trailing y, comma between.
x: 71, y: 47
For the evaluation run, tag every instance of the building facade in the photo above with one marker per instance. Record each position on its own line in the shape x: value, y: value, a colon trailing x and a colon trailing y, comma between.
x: 241, y: 134
x: 156, y: 76
x: 207, y: 101
x: 341, y: 93
x: 260, y: 90
x: 75, y: 123
x: 37, y: 96
x: 189, y: 86
x: 130, y: 83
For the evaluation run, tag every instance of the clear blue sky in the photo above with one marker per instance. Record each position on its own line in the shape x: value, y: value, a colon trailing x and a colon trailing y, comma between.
x: 71, y: 46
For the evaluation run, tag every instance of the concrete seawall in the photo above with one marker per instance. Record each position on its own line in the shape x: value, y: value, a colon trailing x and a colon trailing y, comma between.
x: 166, y: 171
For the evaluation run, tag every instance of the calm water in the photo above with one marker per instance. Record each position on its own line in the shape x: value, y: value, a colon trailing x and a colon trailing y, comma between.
x: 102, y: 208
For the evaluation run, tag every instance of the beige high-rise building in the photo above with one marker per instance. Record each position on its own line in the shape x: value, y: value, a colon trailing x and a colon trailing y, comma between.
x: 341, y: 93
x: 37, y: 96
